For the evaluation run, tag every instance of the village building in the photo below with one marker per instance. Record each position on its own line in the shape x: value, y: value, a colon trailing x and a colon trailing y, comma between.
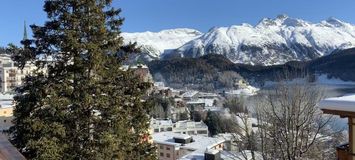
x: 172, y: 146
x: 10, y: 75
x: 183, y: 127
x: 140, y: 70
x: 197, y: 101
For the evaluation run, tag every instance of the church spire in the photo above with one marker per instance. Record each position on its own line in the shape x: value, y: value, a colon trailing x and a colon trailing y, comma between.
x: 25, y: 31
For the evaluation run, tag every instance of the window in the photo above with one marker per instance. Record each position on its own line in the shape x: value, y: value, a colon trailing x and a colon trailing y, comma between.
x: 168, y: 148
x: 5, y: 121
x: 201, y: 132
x: 169, y: 129
x: 168, y: 155
x: 156, y: 130
x: 161, y: 154
x: 161, y: 129
x: 161, y: 147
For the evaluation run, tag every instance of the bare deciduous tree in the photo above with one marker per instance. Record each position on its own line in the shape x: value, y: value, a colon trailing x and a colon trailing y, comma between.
x: 290, y: 124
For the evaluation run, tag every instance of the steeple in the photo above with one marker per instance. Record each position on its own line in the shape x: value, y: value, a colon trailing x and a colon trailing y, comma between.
x: 25, y: 31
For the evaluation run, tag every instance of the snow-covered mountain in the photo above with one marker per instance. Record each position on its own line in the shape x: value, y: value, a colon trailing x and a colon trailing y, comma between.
x: 153, y: 44
x: 271, y: 41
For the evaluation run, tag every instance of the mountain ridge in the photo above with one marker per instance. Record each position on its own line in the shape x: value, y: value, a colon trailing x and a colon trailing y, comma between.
x: 271, y: 41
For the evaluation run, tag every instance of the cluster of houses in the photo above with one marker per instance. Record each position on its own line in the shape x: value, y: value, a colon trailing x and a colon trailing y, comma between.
x: 190, y: 139
x: 187, y: 140
x: 176, y: 138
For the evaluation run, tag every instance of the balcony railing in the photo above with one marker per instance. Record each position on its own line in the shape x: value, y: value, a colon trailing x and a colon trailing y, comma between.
x: 343, y: 152
x: 8, y: 151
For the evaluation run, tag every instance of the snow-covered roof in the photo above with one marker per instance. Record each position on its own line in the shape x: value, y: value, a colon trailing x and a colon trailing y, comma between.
x: 189, y: 94
x: 194, y: 156
x: 344, y: 103
x: 126, y: 67
x: 199, y: 144
x: 206, y: 94
x: 228, y: 136
x: 186, y: 125
x: 182, y: 136
x: 139, y: 66
x: 156, y: 122
x: 206, y: 101
x: 6, y: 96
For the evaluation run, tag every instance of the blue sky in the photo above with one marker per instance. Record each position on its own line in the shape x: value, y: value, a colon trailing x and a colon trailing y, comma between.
x: 155, y: 15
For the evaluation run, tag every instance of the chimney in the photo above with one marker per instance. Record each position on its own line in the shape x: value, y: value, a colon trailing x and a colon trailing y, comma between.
x: 183, y: 139
x: 212, y: 155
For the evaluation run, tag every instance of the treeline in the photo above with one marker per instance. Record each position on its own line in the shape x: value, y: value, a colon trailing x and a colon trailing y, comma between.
x: 3, y: 50
x: 205, y: 73
x: 214, y: 71
x: 340, y: 64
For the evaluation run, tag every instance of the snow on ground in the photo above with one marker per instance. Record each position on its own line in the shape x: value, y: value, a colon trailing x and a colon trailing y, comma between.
x: 244, y: 155
x: 247, y: 91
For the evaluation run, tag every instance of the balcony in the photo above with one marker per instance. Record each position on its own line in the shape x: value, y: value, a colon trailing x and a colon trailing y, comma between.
x: 343, y: 152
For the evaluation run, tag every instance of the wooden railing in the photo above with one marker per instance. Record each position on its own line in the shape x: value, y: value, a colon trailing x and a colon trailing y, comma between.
x: 343, y: 152
x: 8, y: 151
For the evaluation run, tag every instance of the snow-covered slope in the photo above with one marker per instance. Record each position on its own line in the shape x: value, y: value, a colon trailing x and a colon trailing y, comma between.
x: 153, y: 44
x: 271, y: 41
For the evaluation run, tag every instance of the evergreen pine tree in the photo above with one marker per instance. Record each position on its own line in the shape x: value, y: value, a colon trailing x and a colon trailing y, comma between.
x: 83, y: 106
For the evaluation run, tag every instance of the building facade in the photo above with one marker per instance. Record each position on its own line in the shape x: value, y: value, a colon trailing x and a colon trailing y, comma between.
x: 172, y: 146
x: 10, y: 75
x: 182, y: 127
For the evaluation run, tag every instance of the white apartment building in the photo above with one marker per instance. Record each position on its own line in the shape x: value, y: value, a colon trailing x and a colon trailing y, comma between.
x: 172, y: 146
x: 183, y: 127
x: 10, y: 75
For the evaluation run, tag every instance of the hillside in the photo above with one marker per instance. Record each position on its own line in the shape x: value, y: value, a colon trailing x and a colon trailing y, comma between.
x: 215, y: 71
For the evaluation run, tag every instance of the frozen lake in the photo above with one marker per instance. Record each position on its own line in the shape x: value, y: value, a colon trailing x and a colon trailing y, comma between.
x: 329, y: 90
